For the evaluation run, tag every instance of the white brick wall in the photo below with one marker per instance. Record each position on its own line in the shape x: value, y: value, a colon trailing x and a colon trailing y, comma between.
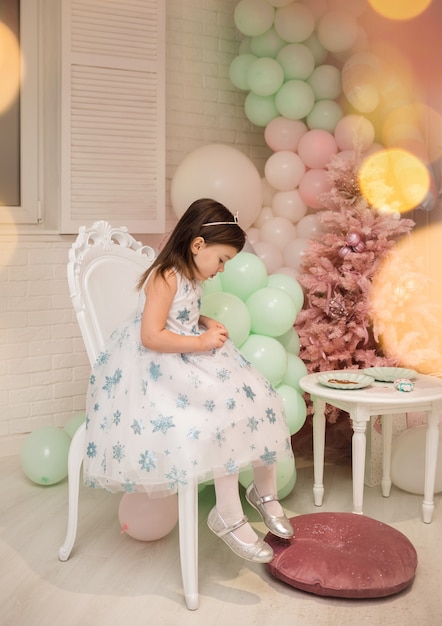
x: 43, y: 364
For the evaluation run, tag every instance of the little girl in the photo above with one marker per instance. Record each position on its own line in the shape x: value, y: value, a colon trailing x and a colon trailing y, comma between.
x: 171, y: 399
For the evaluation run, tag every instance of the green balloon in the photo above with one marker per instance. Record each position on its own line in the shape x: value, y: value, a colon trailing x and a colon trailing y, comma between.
x: 296, y: 60
x: 272, y: 311
x: 296, y: 369
x: 267, y: 355
x: 238, y: 70
x: 294, y: 100
x: 74, y: 423
x: 265, y: 76
x: 212, y: 285
x: 243, y: 275
x: 230, y: 311
x: 290, y: 341
x: 325, y: 115
x: 260, y: 110
x: 285, y: 477
x: 295, y: 407
x: 44, y: 455
x: 267, y: 45
x: 290, y: 286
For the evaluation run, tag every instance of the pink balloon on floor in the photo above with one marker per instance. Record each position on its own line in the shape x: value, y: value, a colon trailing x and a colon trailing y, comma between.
x: 313, y: 184
x: 145, y: 518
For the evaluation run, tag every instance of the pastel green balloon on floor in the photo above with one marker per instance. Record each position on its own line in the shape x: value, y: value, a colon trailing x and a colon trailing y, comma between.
x: 44, y: 455
x: 74, y: 423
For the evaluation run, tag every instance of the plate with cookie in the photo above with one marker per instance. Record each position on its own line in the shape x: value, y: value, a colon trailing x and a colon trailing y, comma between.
x: 347, y: 379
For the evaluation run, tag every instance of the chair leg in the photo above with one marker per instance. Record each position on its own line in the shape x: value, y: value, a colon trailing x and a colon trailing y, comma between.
x: 75, y: 459
x: 188, y: 533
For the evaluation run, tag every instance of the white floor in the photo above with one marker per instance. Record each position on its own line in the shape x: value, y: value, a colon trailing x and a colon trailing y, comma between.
x: 113, y: 580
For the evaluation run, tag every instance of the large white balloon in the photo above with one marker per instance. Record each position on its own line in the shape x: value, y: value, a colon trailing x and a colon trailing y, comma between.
x: 220, y: 172
x: 408, y: 461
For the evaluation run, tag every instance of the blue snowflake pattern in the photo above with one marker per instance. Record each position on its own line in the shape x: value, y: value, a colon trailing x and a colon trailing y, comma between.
x: 137, y: 427
x: 111, y: 382
x: 147, y: 461
x: 185, y: 358
x: 271, y: 415
x: 96, y: 407
x: 144, y: 386
x: 102, y: 358
x: 123, y: 336
x: 129, y: 486
x: 92, y: 379
x: 232, y: 467
x: 210, y: 405
x: 117, y: 417
x: 118, y: 452
x: 219, y: 437
x: 91, y: 450
x: 230, y: 404
x: 193, y: 433
x: 176, y: 478
x: 269, y: 457
x: 223, y: 374
x: 162, y: 424
x: 249, y: 392
x: 183, y: 315
x: 252, y: 423
x: 155, y: 371
x: 182, y: 401
x: 241, y: 360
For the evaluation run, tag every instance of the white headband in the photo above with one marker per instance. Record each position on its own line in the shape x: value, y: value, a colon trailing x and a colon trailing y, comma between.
x: 235, y: 221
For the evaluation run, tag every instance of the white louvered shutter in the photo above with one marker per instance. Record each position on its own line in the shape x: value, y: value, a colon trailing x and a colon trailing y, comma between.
x: 113, y: 114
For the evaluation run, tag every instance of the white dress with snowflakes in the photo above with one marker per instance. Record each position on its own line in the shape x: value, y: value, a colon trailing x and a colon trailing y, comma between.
x: 155, y: 420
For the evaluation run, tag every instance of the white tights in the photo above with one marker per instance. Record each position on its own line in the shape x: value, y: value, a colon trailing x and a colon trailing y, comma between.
x: 228, y: 502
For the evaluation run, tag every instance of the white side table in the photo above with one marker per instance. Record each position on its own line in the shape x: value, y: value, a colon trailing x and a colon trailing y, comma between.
x: 376, y: 399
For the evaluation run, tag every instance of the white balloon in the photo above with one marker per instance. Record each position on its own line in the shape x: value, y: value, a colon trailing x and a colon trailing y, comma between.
x: 307, y: 226
x: 264, y: 215
x: 269, y: 254
x: 284, y: 170
x: 293, y: 253
x: 408, y: 461
x: 289, y: 204
x: 278, y: 231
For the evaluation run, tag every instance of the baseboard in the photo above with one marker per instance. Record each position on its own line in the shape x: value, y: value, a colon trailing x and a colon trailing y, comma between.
x: 11, y: 445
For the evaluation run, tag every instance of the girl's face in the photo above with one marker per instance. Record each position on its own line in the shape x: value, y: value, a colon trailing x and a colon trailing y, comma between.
x: 210, y: 259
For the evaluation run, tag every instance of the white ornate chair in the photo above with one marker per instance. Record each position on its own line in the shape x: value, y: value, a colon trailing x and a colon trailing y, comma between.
x: 103, y: 268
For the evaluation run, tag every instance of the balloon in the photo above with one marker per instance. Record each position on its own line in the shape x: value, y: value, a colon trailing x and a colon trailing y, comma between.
x: 267, y: 45
x: 289, y: 204
x: 285, y: 477
x: 325, y: 80
x: 337, y: 31
x: 314, y: 183
x: 212, y: 285
x: 253, y: 236
x: 296, y: 369
x: 284, y: 134
x: 359, y: 75
x: 221, y: 172
x: 307, y: 226
x: 294, y: 251
x: 316, y: 148
x: 318, y: 50
x: 267, y: 192
x: 243, y: 275
x: 325, y: 114
x: 145, y: 518
x: 267, y: 355
x: 296, y: 60
x: 295, y: 407
x: 44, y: 455
x: 278, y: 231
x: 269, y: 254
x: 284, y: 170
x: 408, y: 461
x: 260, y: 110
x: 253, y: 17
x: 265, y: 214
x: 74, y: 423
x: 295, y: 99
x: 272, y: 311
x: 238, y: 70
x: 230, y: 311
x: 291, y: 342
x: 294, y: 22
x: 354, y: 131
x: 265, y: 76
x: 290, y: 286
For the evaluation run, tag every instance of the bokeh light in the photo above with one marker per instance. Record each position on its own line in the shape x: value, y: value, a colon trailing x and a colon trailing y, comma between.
x: 9, y: 67
x: 394, y: 180
x: 400, y: 9
x: 406, y: 301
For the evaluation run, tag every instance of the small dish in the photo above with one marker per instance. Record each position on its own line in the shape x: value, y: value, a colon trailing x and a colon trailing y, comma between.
x: 389, y: 374
x: 347, y: 379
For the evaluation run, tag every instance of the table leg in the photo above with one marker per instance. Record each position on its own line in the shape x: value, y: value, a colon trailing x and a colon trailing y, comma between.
x: 318, y: 450
x: 358, y: 444
x: 431, y: 448
x: 387, y: 438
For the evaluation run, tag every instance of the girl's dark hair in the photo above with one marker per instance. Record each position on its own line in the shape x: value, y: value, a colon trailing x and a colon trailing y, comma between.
x: 197, y: 221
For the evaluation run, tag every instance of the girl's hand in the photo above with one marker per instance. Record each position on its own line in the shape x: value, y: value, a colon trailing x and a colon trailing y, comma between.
x: 214, y: 337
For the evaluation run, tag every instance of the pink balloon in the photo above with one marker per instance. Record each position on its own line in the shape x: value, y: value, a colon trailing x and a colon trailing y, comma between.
x: 354, y: 131
x: 313, y: 184
x: 316, y: 147
x: 269, y: 254
x: 284, y: 134
x: 307, y: 226
x: 278, y: 231
x: 284, y: 170
x: 145, y: 518
x: 289, y: 204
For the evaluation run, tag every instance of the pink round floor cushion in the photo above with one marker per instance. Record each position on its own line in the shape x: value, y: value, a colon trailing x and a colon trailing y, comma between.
x: 343, y: 555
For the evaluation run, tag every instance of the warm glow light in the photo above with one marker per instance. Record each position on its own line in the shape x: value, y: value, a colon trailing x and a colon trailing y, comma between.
x: 400, y: 9
x: 9, y: 67
x: 406, y: 302
x: 394, y: 180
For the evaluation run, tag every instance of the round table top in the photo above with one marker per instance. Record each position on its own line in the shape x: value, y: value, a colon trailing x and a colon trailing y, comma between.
x: 426, y: 388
